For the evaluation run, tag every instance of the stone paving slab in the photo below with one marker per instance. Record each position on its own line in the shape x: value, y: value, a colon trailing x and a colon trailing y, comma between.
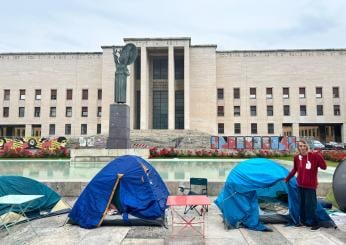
x: 51, y: 231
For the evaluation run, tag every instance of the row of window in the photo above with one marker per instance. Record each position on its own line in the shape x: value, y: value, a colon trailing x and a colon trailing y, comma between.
x: 52, y: 111
x: 270, y: 110
x: 285, y: 93
x: 68, y: 127
x: 237, y: 128
x: 53, y: 94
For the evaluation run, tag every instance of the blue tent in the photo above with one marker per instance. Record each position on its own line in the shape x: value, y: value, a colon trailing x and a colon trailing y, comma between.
x: 131, y: 183
x: 259, y: 178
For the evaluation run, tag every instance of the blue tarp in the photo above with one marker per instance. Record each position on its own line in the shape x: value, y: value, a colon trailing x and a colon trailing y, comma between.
x: 253, y: 179
x: 18, y: 185
x: 140, y: 189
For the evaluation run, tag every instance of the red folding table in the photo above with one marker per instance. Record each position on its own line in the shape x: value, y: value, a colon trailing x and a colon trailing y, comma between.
x: 186, y: 221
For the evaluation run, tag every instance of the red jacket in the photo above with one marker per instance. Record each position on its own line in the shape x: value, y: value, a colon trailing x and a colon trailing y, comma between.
x: 307, y: 173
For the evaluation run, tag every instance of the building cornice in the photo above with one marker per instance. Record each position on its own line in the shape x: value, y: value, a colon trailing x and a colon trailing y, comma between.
x: 52, y: 53
x: 280, y: 50
x: 157, y: 39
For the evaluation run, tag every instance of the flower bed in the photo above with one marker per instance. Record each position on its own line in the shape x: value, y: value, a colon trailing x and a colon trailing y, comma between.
x: 61, y: 152
x: 156, y: 152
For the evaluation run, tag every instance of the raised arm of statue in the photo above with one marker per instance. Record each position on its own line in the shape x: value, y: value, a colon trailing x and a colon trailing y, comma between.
x: 116, y: 56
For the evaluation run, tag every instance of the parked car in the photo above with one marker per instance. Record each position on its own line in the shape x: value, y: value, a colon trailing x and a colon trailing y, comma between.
x: 335, y: 146
x: 317, y: 145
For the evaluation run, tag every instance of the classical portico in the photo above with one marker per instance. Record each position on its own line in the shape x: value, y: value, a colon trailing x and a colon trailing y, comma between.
x: 158, y: 87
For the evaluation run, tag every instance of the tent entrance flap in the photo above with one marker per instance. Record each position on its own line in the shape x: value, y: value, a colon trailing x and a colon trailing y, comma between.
x: 111, y: 197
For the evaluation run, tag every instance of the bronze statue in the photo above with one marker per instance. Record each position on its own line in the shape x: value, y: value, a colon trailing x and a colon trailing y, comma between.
x: 122, y: 59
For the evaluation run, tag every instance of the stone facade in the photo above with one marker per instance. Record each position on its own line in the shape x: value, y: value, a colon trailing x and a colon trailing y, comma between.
x: 205, y: 70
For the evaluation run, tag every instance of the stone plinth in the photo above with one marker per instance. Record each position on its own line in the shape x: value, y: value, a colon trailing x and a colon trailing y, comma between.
x: 119, y: 127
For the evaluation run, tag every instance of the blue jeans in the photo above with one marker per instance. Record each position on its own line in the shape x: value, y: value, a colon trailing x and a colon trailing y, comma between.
x: 307, y: 205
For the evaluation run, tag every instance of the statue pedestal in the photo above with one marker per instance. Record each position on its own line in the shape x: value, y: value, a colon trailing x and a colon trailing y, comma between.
x: 119, y: 127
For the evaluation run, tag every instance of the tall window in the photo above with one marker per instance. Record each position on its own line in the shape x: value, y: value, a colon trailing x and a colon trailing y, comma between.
x: 6, y: 111
x: 318, y: 92
x: 160, y: 68
x: 51, y: 129
x: 68, y: 112
x: 37, y: 112
x: 270, y: 110
x: 319, y: 109
x: 85, y: 94
x: 286, y: 110
x: 252, y: 93
x: 220, y: 128
x: 285, y: 93
x: 270, y: 128
x: 99, y: 111
x: 84, y: 111
x: 160, y: 109
x: 301, y: 92
x: 68, y: 94
x: 220, y: 93
x: 21, y: 112
x: 7, y: 94
x: 179, y: 67
x: 99, y: 94
x: 236, y: 111
x: 269, y: 93
x: 237, y: 128
x: 53, y: 94
x: 83, y: 129
x: 37, y: 94
x: 22, y: 94
x: 67, y: 129
x: 236, y: 93
x: 335, y: 92
x: 253, y: 110
x: 179, y: 109
x: 253, y: 128
x: 303, y: 110
x: 98, y: 129
x: 337, y: 110
x: 52, y: 112
x: 220, y: 111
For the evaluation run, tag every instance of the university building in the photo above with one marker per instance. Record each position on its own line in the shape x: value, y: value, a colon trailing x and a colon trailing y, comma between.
x: 174, y: 85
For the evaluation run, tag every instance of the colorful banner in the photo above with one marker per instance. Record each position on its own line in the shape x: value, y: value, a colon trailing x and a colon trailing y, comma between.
x: 32, y: 143
x: 257, y: 143
x: 248, y: 143
x: 223, y: 142
x: 214, y: 142
x: 266, y: 143
x: 274, y: 142
x: 231, y: 142
x: 240, y: 143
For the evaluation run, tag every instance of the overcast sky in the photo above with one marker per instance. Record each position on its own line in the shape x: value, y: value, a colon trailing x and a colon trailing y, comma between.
x: 86, y: 25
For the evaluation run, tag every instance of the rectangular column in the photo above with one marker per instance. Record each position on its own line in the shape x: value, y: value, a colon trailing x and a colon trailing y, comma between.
x: 295, y: 129
x: 28, y: 130
x: 186, y: 87
x: 171, y: 89
x: 144, y: 89
x: 130, y: 93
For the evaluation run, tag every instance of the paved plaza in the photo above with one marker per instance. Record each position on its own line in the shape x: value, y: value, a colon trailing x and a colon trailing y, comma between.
x: 52, y: 231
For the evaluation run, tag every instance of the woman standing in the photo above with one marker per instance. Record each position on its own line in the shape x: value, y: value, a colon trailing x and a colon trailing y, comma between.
x: 306, y: 163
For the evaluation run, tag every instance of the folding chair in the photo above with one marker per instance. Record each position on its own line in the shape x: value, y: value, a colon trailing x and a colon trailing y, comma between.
x: 198, y: 186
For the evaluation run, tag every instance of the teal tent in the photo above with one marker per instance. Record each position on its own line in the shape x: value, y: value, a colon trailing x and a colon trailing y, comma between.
x: 50, y: 204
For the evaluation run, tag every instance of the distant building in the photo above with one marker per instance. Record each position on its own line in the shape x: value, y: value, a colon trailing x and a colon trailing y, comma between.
x: 176, y: 85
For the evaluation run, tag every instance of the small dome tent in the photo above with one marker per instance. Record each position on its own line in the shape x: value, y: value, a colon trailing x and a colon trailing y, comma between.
x: 131, y: 184
x: 255, y: 179
x: 50, y: 204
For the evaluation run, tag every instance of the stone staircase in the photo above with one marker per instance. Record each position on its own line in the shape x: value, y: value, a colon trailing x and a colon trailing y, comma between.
x: 181, y: 139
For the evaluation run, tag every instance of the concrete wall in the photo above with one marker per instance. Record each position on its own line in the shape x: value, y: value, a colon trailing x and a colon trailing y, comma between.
x: 74, y: 188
